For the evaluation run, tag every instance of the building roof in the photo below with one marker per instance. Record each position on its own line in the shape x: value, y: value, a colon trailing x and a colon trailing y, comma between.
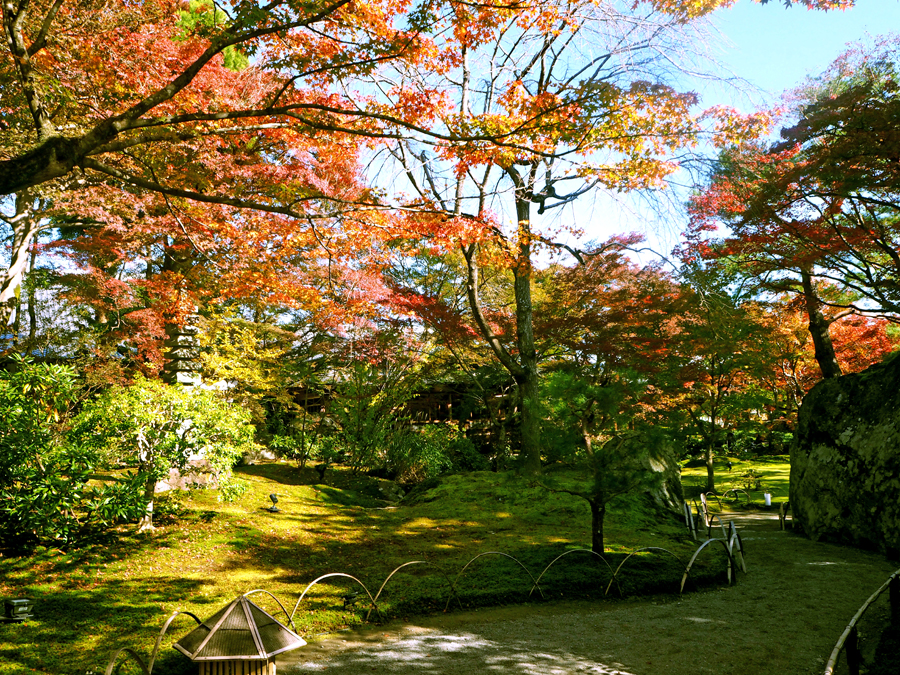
x: 239, y: 631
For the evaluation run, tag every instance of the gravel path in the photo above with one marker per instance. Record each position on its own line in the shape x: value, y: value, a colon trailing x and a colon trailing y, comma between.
x: 781, y: 618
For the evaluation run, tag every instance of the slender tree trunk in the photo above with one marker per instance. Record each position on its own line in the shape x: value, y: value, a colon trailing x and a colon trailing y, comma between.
x: 303, y: 449
x: 528, y: 380
x: 588, y: 439
x: 716, y: 381
x: 32, y: 300
x: 710, y: 471
x: 146, y: 521
x: 598, y: 514
x: 818, y: 330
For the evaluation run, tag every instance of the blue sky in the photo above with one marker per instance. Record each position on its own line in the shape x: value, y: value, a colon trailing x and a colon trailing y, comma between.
x: 777, y: 47
x: 773, y: 47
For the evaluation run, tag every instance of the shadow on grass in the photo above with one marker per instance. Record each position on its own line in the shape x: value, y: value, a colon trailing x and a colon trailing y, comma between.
x: 86, y: 624
x: 92, y: 602
x: 283, y: 474
x: 433, y: 655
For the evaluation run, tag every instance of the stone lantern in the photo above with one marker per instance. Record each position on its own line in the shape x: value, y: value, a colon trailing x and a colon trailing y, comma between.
x: 239, y: 639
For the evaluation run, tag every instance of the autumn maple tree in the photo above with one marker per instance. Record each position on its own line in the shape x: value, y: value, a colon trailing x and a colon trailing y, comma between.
x: 523, y: 112
x: 815, y: 213
x: 134, y: 94
x: 134, y: 205
x: 859, y: 342
x: 605, y: 326
x: 215, y: 136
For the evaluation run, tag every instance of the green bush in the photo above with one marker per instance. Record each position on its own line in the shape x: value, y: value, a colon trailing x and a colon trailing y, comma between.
x: 299, y: 449
x: 33, y: 403
x: 49, y: 490
x: 420, y: 454
x: 233, y: 490
x: 158, y: 427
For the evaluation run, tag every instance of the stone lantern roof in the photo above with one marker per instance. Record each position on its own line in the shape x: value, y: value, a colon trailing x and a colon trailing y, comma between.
x: 240, y: 631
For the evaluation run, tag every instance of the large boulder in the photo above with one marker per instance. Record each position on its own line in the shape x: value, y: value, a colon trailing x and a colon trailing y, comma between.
x: 845, y: 460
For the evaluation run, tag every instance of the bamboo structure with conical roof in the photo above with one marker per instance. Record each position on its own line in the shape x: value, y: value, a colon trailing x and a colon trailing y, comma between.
x: 239, y: 639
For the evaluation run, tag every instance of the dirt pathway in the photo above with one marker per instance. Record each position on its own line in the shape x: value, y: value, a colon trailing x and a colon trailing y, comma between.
x: 781, y: 618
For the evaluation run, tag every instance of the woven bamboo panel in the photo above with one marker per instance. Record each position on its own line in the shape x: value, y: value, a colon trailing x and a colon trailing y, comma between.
x: 237, y: 668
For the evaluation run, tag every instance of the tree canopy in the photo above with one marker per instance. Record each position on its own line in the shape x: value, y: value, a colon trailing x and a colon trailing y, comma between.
x: 352, y: 200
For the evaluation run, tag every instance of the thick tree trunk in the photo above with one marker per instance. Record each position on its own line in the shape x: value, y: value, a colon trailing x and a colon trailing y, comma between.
x: 530, y: 428
x: 54, y: 157
x: 32, y: 301
x: 598, y: 514
x: 523, y: 370
x: 818, y: 330
x: 523, y: 367
x: 24, y: 226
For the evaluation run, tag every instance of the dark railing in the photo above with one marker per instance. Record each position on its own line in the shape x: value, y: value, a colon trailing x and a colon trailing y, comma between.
x: 784, y: 510
x: 849, y: 640
x: 731, y: 543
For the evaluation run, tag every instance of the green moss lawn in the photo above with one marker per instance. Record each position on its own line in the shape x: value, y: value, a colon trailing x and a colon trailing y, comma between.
x: 204, y: 553
x: 773, y: 472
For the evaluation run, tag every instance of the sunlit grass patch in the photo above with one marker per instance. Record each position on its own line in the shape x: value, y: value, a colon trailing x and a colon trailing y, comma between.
x: 204, y: 553
x: 773, y: 473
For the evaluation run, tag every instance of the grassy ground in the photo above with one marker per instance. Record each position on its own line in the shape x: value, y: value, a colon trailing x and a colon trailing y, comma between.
x: 116, y: 593
x: 774, y: 474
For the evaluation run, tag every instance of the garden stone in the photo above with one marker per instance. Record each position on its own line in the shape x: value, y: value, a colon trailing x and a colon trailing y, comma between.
x: 197, y: 475
x: 666, y: 492
x: 845, y: 461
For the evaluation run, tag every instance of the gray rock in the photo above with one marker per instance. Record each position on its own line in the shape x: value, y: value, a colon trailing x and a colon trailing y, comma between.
x: 655, y: 457
x: 668, y: 492
x: 845, y: 460
x: 197, y: 475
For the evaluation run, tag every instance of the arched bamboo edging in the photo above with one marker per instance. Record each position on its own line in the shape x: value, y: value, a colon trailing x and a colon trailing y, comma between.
x: 326, y: 576
x: 148, y: 670
x: 697, y: 552
x: 130, y: 652
x: 563, y: 555
x: 700, y: 512
x: 417, y: 562
x: 728, y: 543
x: 481, y: 555
x: 735, y: 538
x: 628, y: 557
x: 706, y: 495
x: 735, y: 491
x: 709, y: 526
x: 262, y: 590
x: 689, y: 520
x: 850, y: 634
